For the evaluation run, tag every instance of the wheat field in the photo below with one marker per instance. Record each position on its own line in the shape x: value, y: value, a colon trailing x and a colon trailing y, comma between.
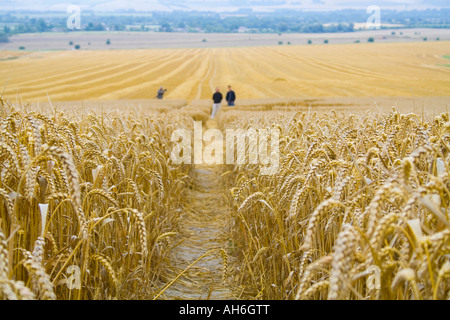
x: 358, y: 209
x: 351, y: 70
x: 89, y: 197
x: 94, y: 207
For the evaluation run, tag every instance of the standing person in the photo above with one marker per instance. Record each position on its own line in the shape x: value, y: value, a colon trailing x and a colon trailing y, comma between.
x: 161, y: 92
x: 231, y: 97
x: 217, y: 99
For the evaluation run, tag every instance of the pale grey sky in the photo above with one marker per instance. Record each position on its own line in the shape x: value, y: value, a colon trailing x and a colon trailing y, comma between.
x: 217, y: 5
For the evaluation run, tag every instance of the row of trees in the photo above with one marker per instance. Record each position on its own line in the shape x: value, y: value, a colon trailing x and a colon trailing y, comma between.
x: 3, y: 37
x: 280, y: 21
x: 209, y: 26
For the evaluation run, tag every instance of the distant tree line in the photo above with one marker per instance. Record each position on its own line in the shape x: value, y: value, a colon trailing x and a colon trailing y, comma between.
x: 244, y: 20
x: 4, y: 37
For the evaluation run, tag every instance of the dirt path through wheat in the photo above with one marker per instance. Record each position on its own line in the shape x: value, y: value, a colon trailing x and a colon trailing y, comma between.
x: 204, y: 226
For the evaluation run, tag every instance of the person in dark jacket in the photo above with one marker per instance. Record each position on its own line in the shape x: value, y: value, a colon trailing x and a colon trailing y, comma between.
x: 217, y: 99
x: 161, y: 92
x: 231, y: 97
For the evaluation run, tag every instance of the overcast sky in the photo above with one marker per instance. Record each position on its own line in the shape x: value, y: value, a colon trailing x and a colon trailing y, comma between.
x: 217, y: 5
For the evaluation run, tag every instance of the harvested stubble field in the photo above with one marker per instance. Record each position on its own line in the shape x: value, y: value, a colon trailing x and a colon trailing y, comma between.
x: 349, y: 70
x: 92, y: 205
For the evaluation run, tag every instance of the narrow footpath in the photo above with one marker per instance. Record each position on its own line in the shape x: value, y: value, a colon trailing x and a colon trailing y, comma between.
x: 204, y: 227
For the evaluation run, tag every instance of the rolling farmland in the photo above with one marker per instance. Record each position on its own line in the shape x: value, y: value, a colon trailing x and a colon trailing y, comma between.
x: 95, y: 205
x: 351, y: 70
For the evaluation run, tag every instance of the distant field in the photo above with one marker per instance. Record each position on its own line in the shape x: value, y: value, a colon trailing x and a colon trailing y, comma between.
x: 288, y: 72
x: 161, y: 40
x: 430, y: 106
